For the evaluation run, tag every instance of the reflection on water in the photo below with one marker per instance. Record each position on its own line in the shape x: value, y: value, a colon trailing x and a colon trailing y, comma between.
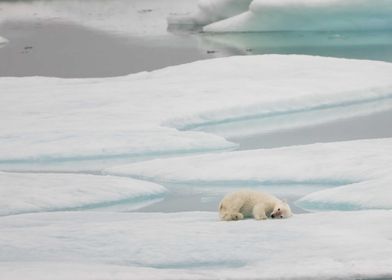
x: 373, y: 45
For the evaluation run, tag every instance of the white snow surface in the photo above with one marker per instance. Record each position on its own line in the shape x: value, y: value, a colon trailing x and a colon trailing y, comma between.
x: 125, y: 18
x: 50, y: 119
x: 304, y: 15
x: 365, y: 164
x: 195, y: 245
x: 24, y: 193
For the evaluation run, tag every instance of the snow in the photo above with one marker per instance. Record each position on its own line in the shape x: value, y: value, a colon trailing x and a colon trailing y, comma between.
x: 25, y: 193
x: 125, y: 18
x: 195, y: 245
x: 49, y: 120
x: 3, y: 41
x: 363, y: 165
x: 303, y: 15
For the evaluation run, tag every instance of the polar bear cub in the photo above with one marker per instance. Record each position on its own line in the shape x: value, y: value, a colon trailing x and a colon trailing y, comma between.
x: 248, y: 203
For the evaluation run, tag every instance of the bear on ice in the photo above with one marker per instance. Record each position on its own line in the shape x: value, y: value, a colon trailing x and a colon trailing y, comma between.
x: 247, y: 203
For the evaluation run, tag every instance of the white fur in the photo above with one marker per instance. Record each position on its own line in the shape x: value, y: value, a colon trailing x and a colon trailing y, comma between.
x: 247, y: 203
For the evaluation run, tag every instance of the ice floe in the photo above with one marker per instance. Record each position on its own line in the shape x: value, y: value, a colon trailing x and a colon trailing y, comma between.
x: 363, y: 165
x: 195, y: 245
x: 303, y: 15
x: 25, y: 193
x: 47, y: 120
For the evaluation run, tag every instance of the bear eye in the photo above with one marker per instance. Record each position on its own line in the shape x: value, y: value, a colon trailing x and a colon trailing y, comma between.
x: 278, y: 209
x: 281, y: 216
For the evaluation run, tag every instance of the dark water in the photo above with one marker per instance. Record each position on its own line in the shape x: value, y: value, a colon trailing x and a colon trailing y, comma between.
x: 60, y: 49
x: 68, y: 50
x: 377, y: 125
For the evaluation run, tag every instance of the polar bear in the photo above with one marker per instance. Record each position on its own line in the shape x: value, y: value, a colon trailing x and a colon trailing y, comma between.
x: 248, y: 203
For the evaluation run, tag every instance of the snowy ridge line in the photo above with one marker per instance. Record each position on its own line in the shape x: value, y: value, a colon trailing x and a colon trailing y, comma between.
x: 253, y: 112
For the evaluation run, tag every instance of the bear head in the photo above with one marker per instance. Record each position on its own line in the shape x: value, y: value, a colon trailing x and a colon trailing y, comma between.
x: 281, y: 210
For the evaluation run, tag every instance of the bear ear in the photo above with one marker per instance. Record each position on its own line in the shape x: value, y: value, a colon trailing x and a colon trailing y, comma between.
x: 284, y: 200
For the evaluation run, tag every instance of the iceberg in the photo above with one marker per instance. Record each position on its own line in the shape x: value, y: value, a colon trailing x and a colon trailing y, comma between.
x: 208, y: 12
x: 31, y: 192
x: 91, y: 245
x: 48, y: 121
x: 348, y: 175
x: 303, y: 15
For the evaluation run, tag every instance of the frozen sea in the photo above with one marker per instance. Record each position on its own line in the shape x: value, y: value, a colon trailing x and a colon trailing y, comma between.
x: 123, y: 124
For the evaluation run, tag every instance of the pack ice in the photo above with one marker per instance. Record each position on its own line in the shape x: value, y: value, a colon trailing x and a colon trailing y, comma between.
x: 290, y: 15
x: 63, y: 124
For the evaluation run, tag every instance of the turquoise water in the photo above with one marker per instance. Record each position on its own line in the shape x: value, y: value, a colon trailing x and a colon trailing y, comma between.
x: 372, y: 45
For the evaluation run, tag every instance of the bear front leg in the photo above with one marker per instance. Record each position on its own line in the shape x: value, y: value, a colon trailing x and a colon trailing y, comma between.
x: 259, y: 212
x: 232, y: 216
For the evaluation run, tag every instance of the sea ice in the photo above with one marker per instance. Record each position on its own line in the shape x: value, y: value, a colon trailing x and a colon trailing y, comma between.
x: 25, y: 193
x: 329, y: 165
x: 195, y: 245
x: 304, y: 15
x: 49, y: 120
